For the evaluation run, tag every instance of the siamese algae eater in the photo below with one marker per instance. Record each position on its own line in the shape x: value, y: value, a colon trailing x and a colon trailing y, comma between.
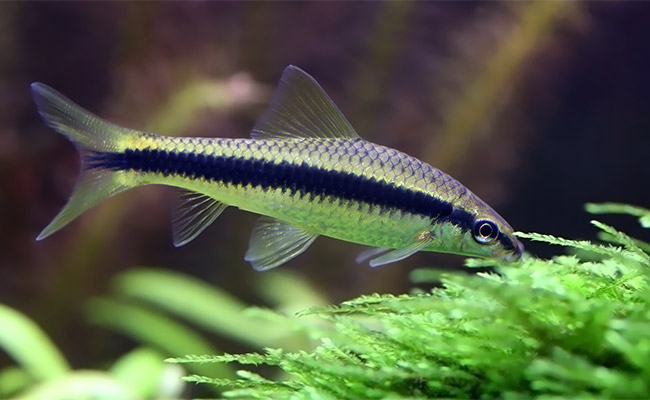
x: 304, y: 169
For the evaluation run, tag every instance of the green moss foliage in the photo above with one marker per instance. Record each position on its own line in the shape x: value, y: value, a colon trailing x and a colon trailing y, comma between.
x: 577, y: 325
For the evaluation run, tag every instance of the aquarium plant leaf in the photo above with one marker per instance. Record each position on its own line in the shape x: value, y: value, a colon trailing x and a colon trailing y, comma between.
x: 144, y: 371
x: 629, y: 243
x: 567, y: 327
x: 199, y: 303
x: 605, y: 250
x: 12, y: 380
x: 154, y: 329
x: 289, y: 292
x: 618, y: 208
x: 81, y: 385
x: 29, y: 346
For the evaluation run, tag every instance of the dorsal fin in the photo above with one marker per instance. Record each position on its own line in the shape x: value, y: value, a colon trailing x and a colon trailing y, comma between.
x: 300, y: 108
x: 193, y: 213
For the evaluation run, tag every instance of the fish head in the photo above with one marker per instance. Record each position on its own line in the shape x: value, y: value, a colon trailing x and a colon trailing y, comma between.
x: 485, y: 233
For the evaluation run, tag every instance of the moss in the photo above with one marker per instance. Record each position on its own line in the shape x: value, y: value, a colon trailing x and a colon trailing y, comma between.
x: 573, y: 326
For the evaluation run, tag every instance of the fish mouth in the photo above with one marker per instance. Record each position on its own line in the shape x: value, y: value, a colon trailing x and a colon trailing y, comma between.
x: 516, y: 253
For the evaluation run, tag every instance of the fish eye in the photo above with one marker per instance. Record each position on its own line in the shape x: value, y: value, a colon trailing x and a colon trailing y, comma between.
x: 485, y: 231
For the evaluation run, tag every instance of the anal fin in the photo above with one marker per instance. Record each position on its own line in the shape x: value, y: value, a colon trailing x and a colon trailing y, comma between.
x: 192, y: 214
x: 275, y: 242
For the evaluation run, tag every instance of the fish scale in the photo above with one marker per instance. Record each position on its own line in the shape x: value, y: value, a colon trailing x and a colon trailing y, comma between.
x: 305, y: 171
x: 358, y: 157
x: 348, y: 220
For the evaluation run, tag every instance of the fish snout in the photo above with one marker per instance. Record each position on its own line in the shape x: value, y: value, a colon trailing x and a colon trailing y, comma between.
x: 516, y: 253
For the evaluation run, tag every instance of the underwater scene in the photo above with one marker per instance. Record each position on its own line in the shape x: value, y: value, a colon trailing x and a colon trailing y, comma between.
x: 324, y: 200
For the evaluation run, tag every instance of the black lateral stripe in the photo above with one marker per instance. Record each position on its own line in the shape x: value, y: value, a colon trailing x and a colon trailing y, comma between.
x: 303, y: 179
x: 505, y: 241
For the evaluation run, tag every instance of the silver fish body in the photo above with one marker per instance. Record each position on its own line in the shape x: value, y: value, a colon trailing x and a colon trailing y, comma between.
x: 304, y: 169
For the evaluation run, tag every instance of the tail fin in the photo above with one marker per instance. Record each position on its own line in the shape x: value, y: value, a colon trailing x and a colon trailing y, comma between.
x: 90, y: 135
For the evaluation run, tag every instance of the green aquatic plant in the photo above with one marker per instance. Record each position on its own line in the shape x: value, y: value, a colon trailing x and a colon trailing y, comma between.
x: 166, y: 314
x: 42, y: 372
x: 577, y: 325
x: 573, y: 326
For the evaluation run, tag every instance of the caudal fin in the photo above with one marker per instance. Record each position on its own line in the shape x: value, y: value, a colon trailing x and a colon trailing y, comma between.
x: 91, y: 135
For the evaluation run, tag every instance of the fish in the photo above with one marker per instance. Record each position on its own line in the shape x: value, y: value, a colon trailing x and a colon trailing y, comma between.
x: 304, y: 169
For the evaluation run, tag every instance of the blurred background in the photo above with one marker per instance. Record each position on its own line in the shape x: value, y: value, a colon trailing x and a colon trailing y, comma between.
x: 537, y: 107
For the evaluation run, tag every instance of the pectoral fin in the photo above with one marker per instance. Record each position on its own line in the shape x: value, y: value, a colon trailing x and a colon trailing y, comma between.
x: 193, y: 213
x: 370, y: 253
x: 422, y: 241
x: 275, y: 242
